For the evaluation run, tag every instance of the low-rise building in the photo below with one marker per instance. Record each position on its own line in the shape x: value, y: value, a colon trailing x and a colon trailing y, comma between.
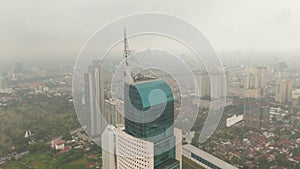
x: 296, y: 98
x: 58, y: 143
x: 205, y: 159
x: 234, y: 120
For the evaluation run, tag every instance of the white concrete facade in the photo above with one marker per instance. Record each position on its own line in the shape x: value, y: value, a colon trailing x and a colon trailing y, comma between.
x: 108, y: 144
x: 233, y: 120
x: 133, y: 152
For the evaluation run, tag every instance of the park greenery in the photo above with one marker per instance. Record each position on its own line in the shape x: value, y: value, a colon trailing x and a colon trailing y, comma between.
x: 46, y: 117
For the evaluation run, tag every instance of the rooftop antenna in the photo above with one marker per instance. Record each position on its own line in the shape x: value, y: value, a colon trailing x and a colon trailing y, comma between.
x: 126, y: 48
x: 129, y: 76
x: 126, y: 53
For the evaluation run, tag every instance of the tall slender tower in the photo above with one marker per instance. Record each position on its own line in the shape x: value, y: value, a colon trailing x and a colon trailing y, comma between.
x: 94, y: 91
x: 4, y: 85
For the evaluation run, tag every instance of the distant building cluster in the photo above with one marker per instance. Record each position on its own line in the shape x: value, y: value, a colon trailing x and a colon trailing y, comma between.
x: 252, y: 82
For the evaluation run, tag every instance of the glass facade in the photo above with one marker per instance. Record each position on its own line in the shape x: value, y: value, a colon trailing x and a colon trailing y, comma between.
x: 149, y: 115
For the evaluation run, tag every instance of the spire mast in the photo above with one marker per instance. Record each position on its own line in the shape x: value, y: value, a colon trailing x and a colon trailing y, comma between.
x: 126, y: 53
x: 126, y: 46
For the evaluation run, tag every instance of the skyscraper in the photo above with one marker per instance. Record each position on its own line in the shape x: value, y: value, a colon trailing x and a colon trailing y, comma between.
x: 219, y: 90
x: 203, y: 84
x: 18, y: 68
x: 4, y: 85
x: 114, y: 109
x: 255, y: 110
x: 255, y: 77
x: 94, y: 99
x: 108, y: 144
x: 148, y: 139
x: 148, y: 99
x: 283, y: 93
x: 256, y: 113
x: 204, y: 89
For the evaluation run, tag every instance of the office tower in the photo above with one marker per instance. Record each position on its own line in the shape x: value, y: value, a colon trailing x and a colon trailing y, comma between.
x: 133, y: 152
x: 263, y: 75
x: 283, y: 93
x: 108, y: 144
x: 123, y: 151
x: 289, y: 91
x: 203, y: 84
x: 94, y: 91
x: 99, y: 78
x: 219, y: 90
x: 251, y: 112
x: 160, y: 129
x: 256, y: 113
x: 253, y: 84
x: 204, y: 89
x: 255, y: 77
x: 254, y: 81
x: 148, y: 139
x: 114, y: 110
x: 255, y: 110
x: 4, y: 85
x: 18, y: 68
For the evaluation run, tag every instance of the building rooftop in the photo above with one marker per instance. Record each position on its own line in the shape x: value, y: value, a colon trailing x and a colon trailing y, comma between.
x: 208, y: 157
x: 58, y: 141
x: 152, y: 92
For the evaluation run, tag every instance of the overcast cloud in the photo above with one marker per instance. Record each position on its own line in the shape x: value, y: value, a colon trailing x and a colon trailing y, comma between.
x: 40, y: 29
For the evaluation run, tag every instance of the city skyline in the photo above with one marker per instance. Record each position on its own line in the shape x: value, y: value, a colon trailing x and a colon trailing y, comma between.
x: 154, y: 84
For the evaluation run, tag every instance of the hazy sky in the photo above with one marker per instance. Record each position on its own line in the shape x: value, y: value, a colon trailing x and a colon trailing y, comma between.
x: 56, y: 29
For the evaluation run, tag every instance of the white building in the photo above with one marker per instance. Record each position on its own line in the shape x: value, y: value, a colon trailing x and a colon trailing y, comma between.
x: 234, y: 120
x: 123, y: 151
x: 94, y: 99
x: 108, y: 144
x: 178, y: 135
x: 296, y: 98
x: 204, y: 159
x: 58, y: 144
x: 133, y: 152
